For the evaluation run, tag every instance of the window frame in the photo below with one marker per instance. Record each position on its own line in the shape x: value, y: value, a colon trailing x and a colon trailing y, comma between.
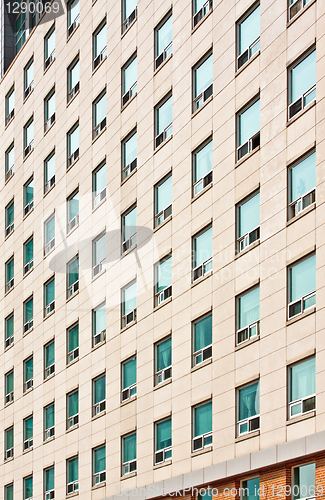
x: 255, y: 42
x: 249, y: 419
x: 293, y: 481
x: 98, y: 267
x: 127, y: 22
x: 202, y: 13
x: 49, y: 494
x: 9, y: 340
x: 304, y: 297
x: 71, y: 93
x: 75, y: 23
x: 160, y: 138
x: 28, y: 265
x: 161, y: 376
x: 51, y: 306
x: 132, y: 166
x: 99, y: 127
x: 72, y: 157
x: 50, y: 183
x: 166, y: 213
x: 253, y: 142
x: 72, y: 289
x: 301, y: 400
x: 102, y: 474
x: 99, y: 407
x: 51, y: 243
x: 6, y: 490
x: 9, y: 396
x: 103, y: 53
x: 207, y: 179
x: 73, y: 420
x: 130, y: 317
x: 312, y: 89
x: 51, y: 57
x: 207, y: 93
x: 9, y: 452
x: 24, y: 490
x: 304, y: 6
x: 9, y: 284
x: 132, y: 91
x: 242, y: 497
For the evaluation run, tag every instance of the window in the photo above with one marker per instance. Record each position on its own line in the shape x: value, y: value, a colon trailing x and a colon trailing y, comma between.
x: 129, y: 229
x: 72, y: 475
x: 100, y: 45
x: 73, y: 277
x: 248, y: 129
x: 202, y: 168
x: 9, y: 492
x: 49, y: 297
x: 163, y: 280
x: 49, y: 172
x: 129, y: 454
x: 49, y: 234
x: 49, y: 110
x: 129, y: 378
x: 302, y: 286
x: 295, y: 6
x: 302, y: 184
x: 248, y: 36
x: 28, y: 314
x: 49, y: 359
x: 10, y: 162
x: 99, y: 394
x: 163, y: 200
x: 49, y: 483
x: 73, y: 211
x: 73, y: 343
x: 99, y: 254
x: 10, y: 105
x: 28, y: 137
x: 163, y: 441
x: 28, y: 373
x: 99, y: 465
x: 9, y: 274
x: 9, y: 329
x: 202, y: 340
x: 49, y: 429
x: 250, y: 488
x: 9, y: 443
x: 129, y: 155
x: 202, y: 426
x: 73, y: 16
x: 73, y: 79
x: 28, y: 488
x: 129, y: 80
x: 28, y: 196
x: 99, y: 185
x: 20, y: 31
x: 73, y: 145
x: 28, y: 255
x: 28, y: 78
x: 202, y: 254
x: 200, y: 9
x: 129, y: 13
x: 9, y: 383
x: 99, y: 115
x: 302, y: 387
x: 163, y: 361
x: 164, y: 121
x: 73, y: 409
x: 203, y: 78
x: 248, y: 315
x: 302, y: 84
x: 303, y: 480
x: 129, y: 304
x: 28, y: 433
x: 164, y: 40
x: 99, y: 324
x: 49, y: 43
x: 248, y: 409
x: 10, y: 218
x: 248, y: 222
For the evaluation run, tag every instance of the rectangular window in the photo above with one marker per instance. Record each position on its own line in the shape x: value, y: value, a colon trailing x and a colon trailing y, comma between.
x: 295, y: 6
x: 302, y: 286
x: 250, y: 489
x: 163, y: 200
x: 9, y: 330
x: 163, y: 285
x: 248, y: 129
x: 99, y: 45
x: 129, y: 454
x: 49, y: 429
x: 73, y: 277
x: 73, y: 343
x: 49, y: 230
x: 9, y: 385
x: 202, y: 168
x: 72, y: 475
x: 49, y: 110
x: 73, y: 145
x: 302, y: 387
x: 302, y: 84
x: 28, y: 433
x: 10, y: 218
x: 200, y: 10
x: 99, y: 254
x: 248, y: 315
x: 9, y: 443
x: 129, y: 304
x: 73, y: 16
x: 129, y: 80
x: 49, y: 359
x: 202, y: 254
x: 163, y: 441
x: 72, y: 409
x: 163, y: 361
x: 248, y: 36
x: 49, y: 296
x: 28, y: 78
x: 303, y: 480
x: 9, y: 274
x: 163, y: 121
x: 302, y: 185
x: 10, y: 105
x: 28, y: 373
x: 164, y: 40
x: 99, y: 115
x: 202, y: 339
x: 28, y: 314
x: 49, y: 172
x: 248, y: 408
x: 28, y: 196
x: 99, y: 394
x: 202, y: 426
x: 99, y: 185
x: 10, y: 162
x: 20, y: 31
x: 129, y: 155
x: 28, y: 137
x: 73, y: 79
x: 248, y: 222
x: 129, y: 229
x: 202, y: 81
x: 129, y: 8
x: 99, y: 465
x: 49, y: 483
x: 9, y: 492
x: 73, y: 211
x: 28, y: 255
x: 129, y: 378
x: 28, y: 488
x: 99, y: 324
x: 49, y: 48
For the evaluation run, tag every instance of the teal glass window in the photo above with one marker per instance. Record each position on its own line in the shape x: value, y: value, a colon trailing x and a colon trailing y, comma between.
x: 73, y: 12
x: 203, y: 78
x: 249, y: 123
x: 49, y: 292
x: 249, y: 215
x: 304, y: 481
x: 163, y: 204
x: 9, y: 327
x: 29, y: 253
x: 202, y: 163
x: 164, y: 36
x: 249, y: 31
x: 9, y: 383
x: 10, y: 105
x: 73, y: 78
x: 100, y: 41
x: 202, y: 333
x: 203, y: 249
x: 164, y: 355
x: 10, y: 160
x: 99, y: 389
x: 303, y: 78
x: 73, y: 206
x: 99, y: 180
x: 28, y: 369
x: 249, y: 308
x: 29, y: 134
x: 9, y: 274
x: 164, y: 117
x: 50, y: 44
x: 49, y: 230
x: 302, y: 279
x: 73, y: 141
x: 28, y: 487
x: 129, y: 374
x: 28, y: 195
x: 202, y: 426
x: 100, y: 110
x: 99, y: 319
x: 73, y: 341
x: 49, y: 356
x: 49, y: 417
x: 9, y: 492
x: 28, y: 310
x: 164, y: 274
x: 49, y: 171
x: 50, y: 108
x: 99, y: 464
x: 250, y: 489
x: 9, y: 438
x: 29, y: 77
x: 129, y: 77
x: 9, y: 218
x: 164, y: 436
x: 129, y: 300
x: 248, y: 402
x: 49, y: 479
x: 129, y: 228
x: 73, y: 272
x: 302, y: 377
x: 73, y: 471
x: 28, y: 431
x: 129, y: 453
x: 129, y: 7
x: 73, y: 404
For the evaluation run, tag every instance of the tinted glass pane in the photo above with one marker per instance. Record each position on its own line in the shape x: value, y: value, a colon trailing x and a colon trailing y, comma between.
x: 29, y: 75
x: 74, y: 75
x: 49, y: 417
x: 128, y: 7
x: 164, y: 195
x: 73, y: 470
x: 203, y: 162
x: 203, y: 419
x: 73, y: 11
x: 129, y: 298
x: 164, y: 354
x: 130, y: 150
x: 249, y: 30
x: 73, y: 272
x: 304, y: 479
x: 100, y: 41
x: 249, y: 215
x: 302, y: 379
x: 203, y: 247
x: 303, y: 278
x: 49, y: 44
x: 100, y: 110
x: 73, y: 404
x: 249, y: 123
x: 99, y: 459
x: 49, y: 479
x: 49, y: 355
x: 249, y: 401
x: 9, y: 382
x: 130, y: 448
x: 130, y: 75
x: 203, y: 76
x: 29, y: 251
x: 303, y: 177
x: 100, y: 249
x: 9, y: 327
x: 164, y: 35
x: 164, y: 274
x: 203, y: 333
x: 49, y: 230
x: 28, y: 369
x: 164, y: 115
x: 73, y: 141
x: 49, y: 293
x: 129, y: 224
x: 9, y: 492
x: 100, y: 179
x: 73, y: 338
x: 10, y: 214
x: 28, y: 428
x: 73, y: 206
x: 303, y: 76
x: 250, y: 489
x: 28, y: 310
x: 9, y: 439
x: 129, y: 373
x: 164, y: 434
x: 50, y: 106
x: 49, y: 168
x: 99, y: 319
x: 29, y: 192
x: 99, y: 389
x: 249, y: 308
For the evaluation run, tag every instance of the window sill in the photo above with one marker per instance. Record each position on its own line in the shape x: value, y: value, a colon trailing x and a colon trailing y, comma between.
x: 99, y: 204
x: 127, y: 476
x: 49, y: 253
x: 247, y: 343
x: 129, y: 27
x: 10, y: 121
x: 49, y: 315
x: 306, y: 211
x: 99, y: 65
x: 194, y: 113
x: 202, y: 20
x: 8, y: 235
x: 163, y: 223
x: 163, y: 464
x: 163, y: 384
x: 299, y: 418
x: 26, y: 98
x: 72, y: 296
x: 162, y: 144
x: 130, y: 400
x: 7, y: 349
x: 72, y: 164
x: 28, y: 331
x: 301, y: 316
x: 247, y: 436
x: 123, y: 181
x: 28, y: 450
x: 209, y: 186
x: 7, y: 293
x: 75, y: 360
x: 162, y: 64
x: 49, y: 190
x: 199, y: 280
x: 99, y: 135
x: 201, y: 365
x: 48, y: 129
x: 300, y: 13
x: 28, y: 272
x: 72, y: 230
x: 73, y: 98
x: 6, y: 460
x: 301, y: 113
x: 9, y: 404
x: 97, y: 486
x: 30, y: 211
x: 248, y: 155
x: 250, y: 247
x: 95, y: 417
x: 74, y: 494
x: 130, y: 250
x: 28, y: 390
x: 247, y: 63
x: 49, y: 377
x: 98, y: 275
x: 49, y: 439
x: 129, y: 102
x: 27, y: 156
x: 97, y: 346
x: 71, y: 35
x: 129, y: 325
x: 201, y: 452
x: 49, y: 66
x: 73, y: 428
x: 9, y: 178
x: 167, y: 301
